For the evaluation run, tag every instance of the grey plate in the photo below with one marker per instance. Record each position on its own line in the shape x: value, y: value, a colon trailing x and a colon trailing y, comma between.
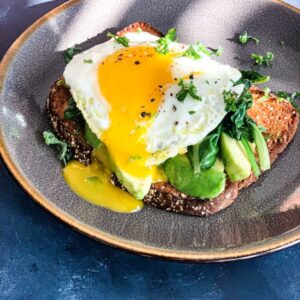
x: 265, y: 217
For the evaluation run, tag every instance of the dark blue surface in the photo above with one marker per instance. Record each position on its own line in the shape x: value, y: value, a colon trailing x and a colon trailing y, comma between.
x: 42, y: 258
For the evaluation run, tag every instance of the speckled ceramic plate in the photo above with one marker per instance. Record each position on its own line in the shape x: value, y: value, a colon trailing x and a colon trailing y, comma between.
x: 264, y: 218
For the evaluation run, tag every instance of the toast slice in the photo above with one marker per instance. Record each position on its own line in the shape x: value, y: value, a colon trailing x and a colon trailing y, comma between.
x: 278, y: 117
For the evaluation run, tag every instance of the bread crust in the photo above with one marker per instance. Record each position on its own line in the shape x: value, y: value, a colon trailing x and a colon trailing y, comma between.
x: 267, y: 113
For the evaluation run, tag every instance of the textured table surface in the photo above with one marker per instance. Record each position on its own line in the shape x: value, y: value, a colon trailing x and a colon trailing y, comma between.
x: 42, y: 258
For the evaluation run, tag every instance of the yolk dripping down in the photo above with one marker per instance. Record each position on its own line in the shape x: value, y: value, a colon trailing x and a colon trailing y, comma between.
x: 133, y: 81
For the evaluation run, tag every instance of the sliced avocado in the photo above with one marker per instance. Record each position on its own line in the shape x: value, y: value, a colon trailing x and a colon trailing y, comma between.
x: 91, y: 137
x: 207, y: 184
x: 237, y: 164
x: 138, y: 187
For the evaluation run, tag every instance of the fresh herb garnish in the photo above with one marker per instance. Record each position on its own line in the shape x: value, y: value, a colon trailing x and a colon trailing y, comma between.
x: 254, y: 77
x: 163, y: 43
x: 196, y: 51
x: 123, y: 40
x: 92, y: 179
x: 70, y: 52
x: 237, y: 122
x: 88, y: 61
x: 191, y: 112
x: 191, y: 52
x: 263, y: 59
x: 187, y: 89
x: 73, y: 112
x: 64, y: 152
x: 204, y: 154
x: 61, y: 82
x: 134, y: 157
x: 139, y: 30
x: 245, y: 38
x: 290, y: 98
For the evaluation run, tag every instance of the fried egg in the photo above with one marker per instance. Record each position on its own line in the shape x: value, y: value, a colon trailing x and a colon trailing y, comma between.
x: 127, y: 96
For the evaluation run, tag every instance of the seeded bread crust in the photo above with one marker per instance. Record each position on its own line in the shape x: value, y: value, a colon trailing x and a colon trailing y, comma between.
x: 279, y: 118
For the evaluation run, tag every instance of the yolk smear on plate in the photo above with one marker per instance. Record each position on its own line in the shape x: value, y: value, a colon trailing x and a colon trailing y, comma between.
x: 93, y: 184
x: 133, y: 81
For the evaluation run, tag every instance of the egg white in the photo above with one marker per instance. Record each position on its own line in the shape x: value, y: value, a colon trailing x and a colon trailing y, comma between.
x: 177, y: 124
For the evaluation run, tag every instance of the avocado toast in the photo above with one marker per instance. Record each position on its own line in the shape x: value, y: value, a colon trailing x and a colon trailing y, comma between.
x: 279, y: 119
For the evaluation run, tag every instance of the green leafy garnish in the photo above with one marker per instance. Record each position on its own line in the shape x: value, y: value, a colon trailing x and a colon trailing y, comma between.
x: 61, y: 82
x: 237, y: 122
x: 290, y: 98
x: 135, y: 157
x: 70, y: 52
x: 196, y: 51
x: 163, y: 43
x: 123, y: 40
x: 245, y: 38
x: 139, y: 30
x: 191, y: 112
x: 254, y: 77
x: 88, y: 61
x: 263, y: 59
x: 62, y: 147
x: 204, y: 154
x: 191, y: 52
x: 92, y: 179
x: 187, y: 89
x: 72, y: 112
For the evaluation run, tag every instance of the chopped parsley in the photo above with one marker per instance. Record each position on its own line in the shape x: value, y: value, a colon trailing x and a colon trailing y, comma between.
x: 73, y: 112
x: 163, y: 43
x: 70, y: 52
x: 292, y: 98
x: 123, y: 40
x: 64, y: 152
x: 254, y: 77
x: 139, y: 30
x: 61, y: 82
x: 263, y: 59
x: 187, y: 88
x: 92, y: 179
x: 191, y: 112
x: 244, y: 38
x: 196, y: 51
x: 134, y: 157
x: 191, y: 52
x: 88, y: 61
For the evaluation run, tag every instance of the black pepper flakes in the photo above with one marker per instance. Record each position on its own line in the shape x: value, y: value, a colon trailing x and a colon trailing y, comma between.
x: 171, y: 94
x: 174, y: 108
x: 145, y: 114
x: 152, y: 100
x: 137, y: 62
x: 176, y: 123
x: 191, y: 76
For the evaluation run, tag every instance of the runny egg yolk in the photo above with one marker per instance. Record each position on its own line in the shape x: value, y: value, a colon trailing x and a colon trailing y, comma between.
x: 133, y: 81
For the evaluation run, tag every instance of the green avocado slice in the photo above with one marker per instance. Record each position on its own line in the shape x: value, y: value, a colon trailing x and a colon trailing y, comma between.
x: 205, y: 185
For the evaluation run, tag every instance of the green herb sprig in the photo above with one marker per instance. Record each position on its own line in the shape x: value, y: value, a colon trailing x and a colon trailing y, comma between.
x: 292, y: 98
x: 265, y: 60
x: 163, y: 42
x: 64, y: 152
x: 187, y: 89
x: 70, y: 52
x: 244, y: 38
x: 73, y: 112
x: 123, y: 40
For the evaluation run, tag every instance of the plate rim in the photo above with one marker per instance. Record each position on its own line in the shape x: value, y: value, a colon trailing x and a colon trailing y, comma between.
x: 270, y: 245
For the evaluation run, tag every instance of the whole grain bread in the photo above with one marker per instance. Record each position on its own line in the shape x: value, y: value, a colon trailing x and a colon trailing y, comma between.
x: 278, y: 117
